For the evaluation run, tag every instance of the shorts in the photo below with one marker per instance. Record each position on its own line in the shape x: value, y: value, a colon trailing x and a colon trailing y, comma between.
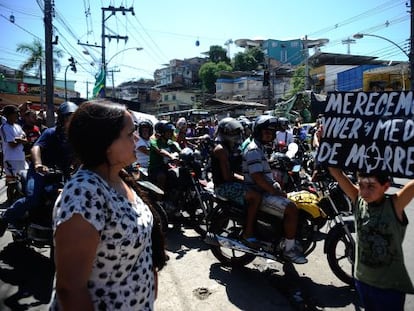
x: 14, y: 167
x: 274, y: 205
x: 379, y: 299
x: 232, y: 191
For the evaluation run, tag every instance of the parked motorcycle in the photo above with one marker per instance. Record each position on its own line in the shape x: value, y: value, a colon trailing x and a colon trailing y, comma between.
x: 326, y: 217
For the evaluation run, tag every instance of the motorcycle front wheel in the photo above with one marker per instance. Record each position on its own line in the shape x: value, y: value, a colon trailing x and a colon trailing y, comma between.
x: 224, y: 226
x: 161, y: 215
x: 199, y: 214
x: 340, y: 253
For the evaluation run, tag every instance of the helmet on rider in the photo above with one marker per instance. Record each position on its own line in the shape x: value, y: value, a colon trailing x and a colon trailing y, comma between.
x: 283, y: 123
x: 145, y: 124
x: 229, y: 130
x: 164, y: 126
x: 181, y: 124
x: 65, y: 109
x: 264, y: 122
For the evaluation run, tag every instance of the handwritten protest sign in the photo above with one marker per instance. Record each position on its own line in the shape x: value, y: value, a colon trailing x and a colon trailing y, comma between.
x: 369, y: 131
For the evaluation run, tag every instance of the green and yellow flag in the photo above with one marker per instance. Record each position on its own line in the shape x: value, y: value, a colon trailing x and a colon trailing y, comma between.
x: 98, y: 89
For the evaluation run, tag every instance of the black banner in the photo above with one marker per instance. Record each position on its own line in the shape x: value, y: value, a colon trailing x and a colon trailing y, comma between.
x: 369, y: 131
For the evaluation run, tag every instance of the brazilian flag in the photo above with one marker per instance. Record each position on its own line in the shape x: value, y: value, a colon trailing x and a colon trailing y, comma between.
x: 98, y: 89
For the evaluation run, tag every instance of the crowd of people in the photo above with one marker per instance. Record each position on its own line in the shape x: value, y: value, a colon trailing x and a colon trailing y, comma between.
x: 108, y: 242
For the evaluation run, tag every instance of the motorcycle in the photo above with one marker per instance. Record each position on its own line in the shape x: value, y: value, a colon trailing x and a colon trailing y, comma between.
x: 15, y: 184
x: 35, y: 229
x: 187, y: 196
x: 329, y: 211
x: 287, y: 170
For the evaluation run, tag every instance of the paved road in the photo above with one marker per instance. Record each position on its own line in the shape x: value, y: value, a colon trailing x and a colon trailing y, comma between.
x: 193, y: 279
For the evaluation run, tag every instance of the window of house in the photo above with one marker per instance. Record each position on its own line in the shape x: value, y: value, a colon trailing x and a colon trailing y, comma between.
x: 174, y: 97
x: 240, y: 85
x: 165, y: 98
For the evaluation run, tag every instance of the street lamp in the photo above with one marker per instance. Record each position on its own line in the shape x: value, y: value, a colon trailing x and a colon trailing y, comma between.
x: 113, y: 56
x: 121, y: 51
x: 409, y: 56
x: 361, y: 35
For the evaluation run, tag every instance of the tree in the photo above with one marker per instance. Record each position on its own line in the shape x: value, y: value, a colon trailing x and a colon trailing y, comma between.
x: 218, y: 54
x: 248, y: 60
x: 36, y: 56
x: 209, y: 72
x: 298, y: 81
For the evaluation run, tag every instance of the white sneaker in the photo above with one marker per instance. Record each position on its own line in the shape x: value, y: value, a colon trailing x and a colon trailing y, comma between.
x: 295, y: 255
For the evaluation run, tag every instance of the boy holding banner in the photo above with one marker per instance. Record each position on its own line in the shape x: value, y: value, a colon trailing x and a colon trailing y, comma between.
x: 381, y: 277
x: 373, y: 133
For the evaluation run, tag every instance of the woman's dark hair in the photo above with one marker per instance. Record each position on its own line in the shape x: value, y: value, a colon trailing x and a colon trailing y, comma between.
x: 93, y: 128
x: 159, y: 257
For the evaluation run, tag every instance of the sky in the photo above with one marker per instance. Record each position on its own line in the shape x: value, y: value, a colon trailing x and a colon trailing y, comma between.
x: 167, y: 30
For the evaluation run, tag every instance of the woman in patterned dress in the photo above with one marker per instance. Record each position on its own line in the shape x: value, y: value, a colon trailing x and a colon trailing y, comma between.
x: 108, y: 246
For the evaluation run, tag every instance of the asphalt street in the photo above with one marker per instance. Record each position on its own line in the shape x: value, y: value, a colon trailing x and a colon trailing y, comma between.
x: 194, y: 280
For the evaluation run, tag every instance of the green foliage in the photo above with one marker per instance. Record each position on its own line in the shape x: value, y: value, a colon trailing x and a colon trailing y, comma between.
x: 298, y: 81
x: 218, y: 54
x: 208, y: 74
x: 249, y: 60
x: 36, y: 57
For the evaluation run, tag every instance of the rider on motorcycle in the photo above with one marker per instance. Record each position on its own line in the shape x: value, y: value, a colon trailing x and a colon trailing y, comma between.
x: 145, y: 131
x: 162, y: 150
x: 258, y: 175
x: 283, y: 135
x: 52, y: 149
x: 228, y: 182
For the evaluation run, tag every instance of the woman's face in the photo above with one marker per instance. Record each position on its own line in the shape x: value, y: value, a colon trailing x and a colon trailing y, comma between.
x: 122, y: 150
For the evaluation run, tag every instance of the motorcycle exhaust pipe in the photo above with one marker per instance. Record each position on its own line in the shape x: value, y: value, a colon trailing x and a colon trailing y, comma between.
x: 218, y: 240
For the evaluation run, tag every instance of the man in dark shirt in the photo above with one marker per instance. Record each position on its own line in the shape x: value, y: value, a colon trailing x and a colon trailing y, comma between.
x: 51, y: 150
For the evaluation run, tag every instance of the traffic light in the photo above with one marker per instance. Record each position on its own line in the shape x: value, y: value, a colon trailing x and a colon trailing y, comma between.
x: 266, y: 78
x: 72, y: 64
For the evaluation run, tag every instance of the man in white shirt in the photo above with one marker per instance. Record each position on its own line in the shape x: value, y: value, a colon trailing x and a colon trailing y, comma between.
x: 13, y: 138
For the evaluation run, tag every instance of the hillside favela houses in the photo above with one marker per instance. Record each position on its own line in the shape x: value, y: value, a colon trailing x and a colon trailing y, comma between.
x: 176, y: 89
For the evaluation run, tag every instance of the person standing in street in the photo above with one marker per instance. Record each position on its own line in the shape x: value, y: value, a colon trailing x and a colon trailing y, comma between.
x: 108, y: 242
x: 14, y: 139
x: 381, y: 277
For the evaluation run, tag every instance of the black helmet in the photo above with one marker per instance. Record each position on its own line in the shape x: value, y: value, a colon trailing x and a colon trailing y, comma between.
x: 246, y: 123
x: 66, y: 108
x: 264, y: 122
x: 145, y: 123
x: 164, y: 126
x: 283, y: 123
x: 229, y: 130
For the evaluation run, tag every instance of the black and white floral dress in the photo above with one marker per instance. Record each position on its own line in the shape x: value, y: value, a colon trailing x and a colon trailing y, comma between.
x: 122, y: 277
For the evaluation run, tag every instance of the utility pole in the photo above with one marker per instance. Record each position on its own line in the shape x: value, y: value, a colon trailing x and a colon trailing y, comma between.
x: 348, y: 42
x: 113, y: 10
x: 306, y: 50
x: 50, y: 114
x: 113, y: 80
